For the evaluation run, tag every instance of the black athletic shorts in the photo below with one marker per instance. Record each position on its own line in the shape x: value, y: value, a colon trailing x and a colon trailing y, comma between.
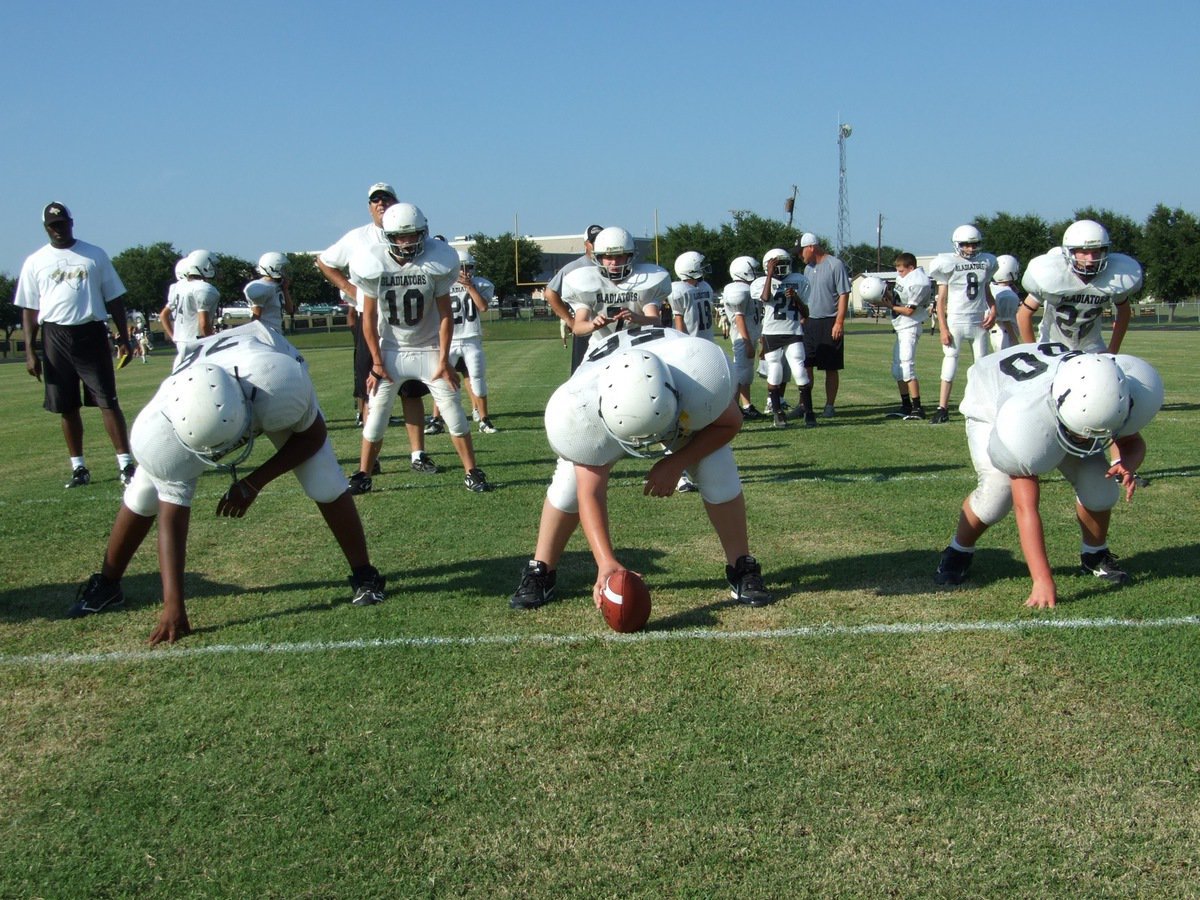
x: 75, y: 355
x: 821, y: 351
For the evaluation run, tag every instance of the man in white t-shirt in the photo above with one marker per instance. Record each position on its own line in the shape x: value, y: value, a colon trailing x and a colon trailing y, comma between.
x: 69, y: 289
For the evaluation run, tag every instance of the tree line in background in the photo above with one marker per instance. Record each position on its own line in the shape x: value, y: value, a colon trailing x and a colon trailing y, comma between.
x: 1167, y: 245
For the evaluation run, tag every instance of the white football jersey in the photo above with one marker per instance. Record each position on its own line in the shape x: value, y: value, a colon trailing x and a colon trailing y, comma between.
x: 740, y: 301
x: 699, y: 372
x: 267, y: 295
x: 1010, y: 391
x: 694, y: 303
x: 407, y: 292
x: 467, y: 323
x: 589, y: 288
x: 915, y: 290
x: 966, y: 280
x: 186, y: 300
x: 1072, y: 308
x: 271, y: 373
x: 782, y: 315
x: 1007, y: 302
x: 338, y: 255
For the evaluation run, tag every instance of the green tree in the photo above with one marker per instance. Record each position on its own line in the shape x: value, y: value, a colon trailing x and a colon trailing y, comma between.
x: 10, y: 313
x: 681, y: 238
x: 750, y: 234
x: 497, y: 259
x: 1170, y: 253
x: 866, y: 258
x: 308, y: 285
x: 233, y: 273
x: 1024, y: 236
x: 147, y: 272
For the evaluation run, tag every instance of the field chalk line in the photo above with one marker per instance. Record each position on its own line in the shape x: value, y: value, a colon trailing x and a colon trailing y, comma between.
x: 168, y: 654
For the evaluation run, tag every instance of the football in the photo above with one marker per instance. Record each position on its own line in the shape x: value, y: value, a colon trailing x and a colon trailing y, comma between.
x: 626, y: 602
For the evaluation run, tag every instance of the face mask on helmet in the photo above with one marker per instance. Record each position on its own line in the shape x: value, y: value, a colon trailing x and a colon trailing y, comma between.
x: 967, y: 240
x: 405, y: 228
x: 210, y: 414
x: 1091, y: 400
x: 614, y: 252
x: 639, y: 406
x: 692, y: 265
x: 783, y: 267
x: 1085, y: 245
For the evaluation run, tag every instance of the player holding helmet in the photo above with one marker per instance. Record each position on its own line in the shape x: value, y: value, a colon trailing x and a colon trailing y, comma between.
x: 1034, y: 408
x: 908, y: 302
x: 641, y: 392
x: 1075, y: 282
x: 227, y: 389
x: 965, y: 308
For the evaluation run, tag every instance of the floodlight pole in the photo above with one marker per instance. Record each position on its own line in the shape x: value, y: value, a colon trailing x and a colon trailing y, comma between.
x: 843, y: 235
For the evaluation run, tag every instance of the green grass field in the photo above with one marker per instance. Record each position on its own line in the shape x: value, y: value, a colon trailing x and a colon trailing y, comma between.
x: 866, y: 735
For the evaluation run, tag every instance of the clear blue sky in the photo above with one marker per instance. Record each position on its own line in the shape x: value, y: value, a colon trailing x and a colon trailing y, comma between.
x: 247, y: 127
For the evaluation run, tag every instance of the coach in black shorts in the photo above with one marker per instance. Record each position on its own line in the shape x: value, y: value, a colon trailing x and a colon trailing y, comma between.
x: 824, y: 330
x: 70, y: 289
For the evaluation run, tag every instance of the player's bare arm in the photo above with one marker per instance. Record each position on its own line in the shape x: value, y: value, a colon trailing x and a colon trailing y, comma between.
x: 1026, y: 495
x: 1121, y: 317
x: 168, y: 322
x: 1025, y: 318
x: 173, y: 523
x: 370, y: 318
x: 664, y: 474
x: 592, y: 487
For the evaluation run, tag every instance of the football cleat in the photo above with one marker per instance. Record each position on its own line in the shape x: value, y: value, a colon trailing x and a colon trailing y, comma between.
x: 477, y: 482
x: 127, y: 474
x: 686, y: 485
x: 434, y: 425
x: 358, y: 420
x: 940, y: 416
x: 952, y: 567
x: 810, y: 419
x: 96, y: 596
x: 360, y: 483
x: 780, y: 419
x: 751, y: 412
x: 536, y: 587
x: 915, y: 414
x: 475, y: 417
x: 368, y: 589
x: 1103, y: 564
x: 901, y: 413
x: 746, y: 583
x: 424, y: 465
x: 80, y: 477
x: 828, y: 412
x: 486, y: 426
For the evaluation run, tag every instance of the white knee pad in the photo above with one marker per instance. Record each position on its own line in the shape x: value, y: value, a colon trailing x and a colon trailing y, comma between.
x: 774, y: 361
x: 717, y: 476
x: 472, y: 353
x: 379, y: 409
x: 949, y: 361
x: 992, y: 498
x: 904, y: 354
x: 320, y: 475
x: 1092, y: 489
x: 142, y: 496
x: 563, y: 491
x: 797, y: 362
x: 449, y: 407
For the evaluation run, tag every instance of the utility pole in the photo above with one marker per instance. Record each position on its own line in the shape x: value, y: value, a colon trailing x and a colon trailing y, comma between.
x: 843, y: 235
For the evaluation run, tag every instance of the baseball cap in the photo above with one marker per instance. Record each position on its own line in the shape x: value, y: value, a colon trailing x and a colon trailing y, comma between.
x: 808, y: 239
x: 381, y: 187
x: 55, y: 212
x: 592, y: 231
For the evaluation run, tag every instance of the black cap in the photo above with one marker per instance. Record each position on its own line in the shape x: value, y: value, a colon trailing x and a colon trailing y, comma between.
x: 55, y: 212
x: 592, y: 231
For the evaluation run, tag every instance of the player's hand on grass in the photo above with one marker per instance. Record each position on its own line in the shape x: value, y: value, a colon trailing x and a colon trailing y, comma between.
x: 237, y: 499
x: 172, y: 625
x: 1043, y: 596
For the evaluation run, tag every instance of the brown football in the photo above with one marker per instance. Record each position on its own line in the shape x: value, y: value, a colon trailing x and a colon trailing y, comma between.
x: 626, y: 602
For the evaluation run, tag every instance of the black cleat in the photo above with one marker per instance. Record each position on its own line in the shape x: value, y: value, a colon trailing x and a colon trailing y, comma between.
x: 952, y: 567
x: 746, y: 583
x: 477, y: 482
x: 96, y: 596
x: 751, y: 412
x: 79, y: 478
x: 940, y: 416
x: 536, y: 587
x: 435, y: 425
x: 1103, y: 565
x: 368, y: 589
x: 810, y: 419
x: 424, y: 465
x: 360, y: 483
x: 916, y: 414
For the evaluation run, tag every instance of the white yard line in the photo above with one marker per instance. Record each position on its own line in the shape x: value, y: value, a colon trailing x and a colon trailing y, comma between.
x: 805, y: 632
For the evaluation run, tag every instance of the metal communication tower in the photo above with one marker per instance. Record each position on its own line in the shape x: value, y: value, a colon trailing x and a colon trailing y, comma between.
x: 843, y: 234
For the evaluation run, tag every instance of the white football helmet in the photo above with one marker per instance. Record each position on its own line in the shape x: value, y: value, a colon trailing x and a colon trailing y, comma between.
x: 1086, y: 235
x: 614, y: 243
x: 1008, y: 269
x: 963, y: 235
x: 783, y: 268
x: 1090, y: 397
x: 181, y: 269
x: 744, y: 268
x: 871, y: 289
x: 691, y: 265
x: 209, y: 412
x: 639, y: 405
x: 466, y: 262
x: 403, y: 220
x: 272, y: 265
x: 200, y: 264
